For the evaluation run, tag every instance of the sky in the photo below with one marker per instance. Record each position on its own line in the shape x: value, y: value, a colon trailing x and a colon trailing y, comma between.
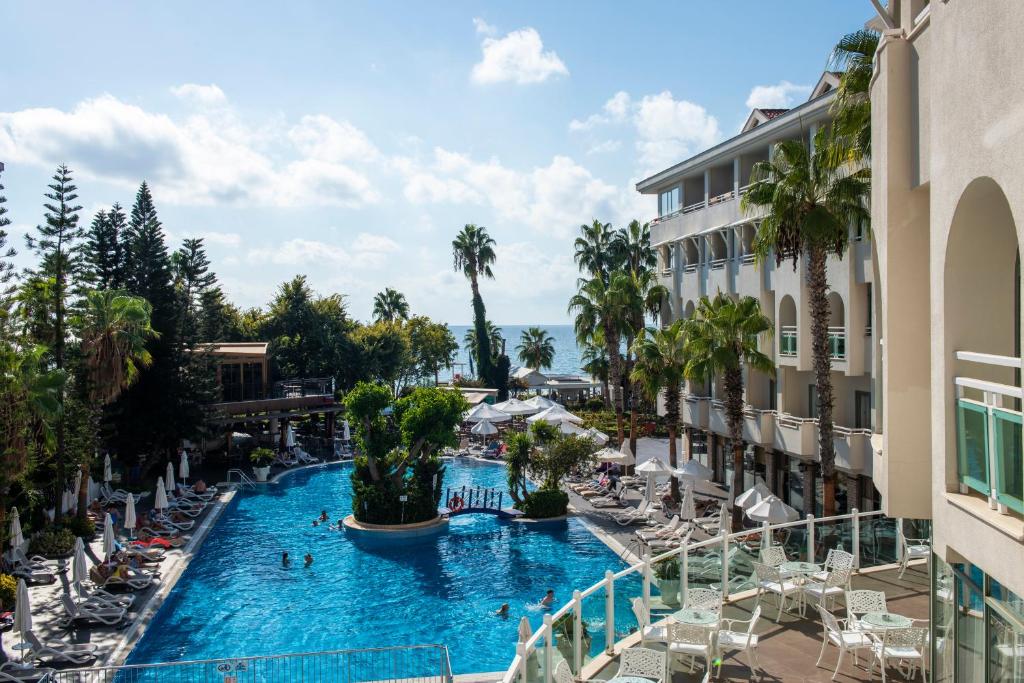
x: 351, y: 141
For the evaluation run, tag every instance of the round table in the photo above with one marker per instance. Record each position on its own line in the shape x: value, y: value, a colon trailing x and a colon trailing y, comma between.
x: 629, y: 679
x: 885, y: 620
x: 695, y: 617
x: 799, y: 568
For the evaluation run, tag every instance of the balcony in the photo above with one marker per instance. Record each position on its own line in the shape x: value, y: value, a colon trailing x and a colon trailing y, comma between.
x: 837, y: 343
x: 787, y: 341
x: 300, y: 388
x: 988, y: 433
x: 717, y: 421
x: 853, y: 448
x: 695, y: 411
x: 759, y: 426
x: 796, y: 435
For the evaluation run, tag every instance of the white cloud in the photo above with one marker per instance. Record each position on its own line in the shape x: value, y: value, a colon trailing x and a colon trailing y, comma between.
x: 208, y: 95
x: 483, y: 28
x: 299, y: 252
x: 207, y: 158
x: 779, y: 96
x: 222, y: 239
x: 519, y: 57
x: 605, y: 147
x: 669, y: 130
x: 615, y: 110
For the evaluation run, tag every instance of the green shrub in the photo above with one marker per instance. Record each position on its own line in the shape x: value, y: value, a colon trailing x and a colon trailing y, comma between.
x: 8, y: 591
x: 667, y: 570
x: 54, y: 542
x: 594, y: 404
x: 80, y: 526
x: 545, y: 504
x: 262, y: 457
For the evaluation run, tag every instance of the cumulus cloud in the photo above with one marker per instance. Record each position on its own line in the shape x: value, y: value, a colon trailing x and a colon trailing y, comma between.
x: 206, y: 158
x: 779, y: 96
x: 299, y: 252
x: 605, y: 146
x: 615, y: 110
x: 519, y: 57
x: 208, y: 95
x: 223, y: 239
x: 669, y: 129
x: 483, y: 28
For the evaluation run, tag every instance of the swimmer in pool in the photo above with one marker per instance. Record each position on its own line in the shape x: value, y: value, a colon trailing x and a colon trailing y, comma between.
x: 285, y: 562
x: 323, y: 516
x: 308, y: 559
x: 503, y: 610
x: 548, y: 599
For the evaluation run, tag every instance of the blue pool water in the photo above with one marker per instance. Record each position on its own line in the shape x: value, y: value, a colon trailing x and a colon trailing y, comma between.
x: 236, y: 600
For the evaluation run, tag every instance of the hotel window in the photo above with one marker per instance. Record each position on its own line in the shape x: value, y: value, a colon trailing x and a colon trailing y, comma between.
x: 668, y: 201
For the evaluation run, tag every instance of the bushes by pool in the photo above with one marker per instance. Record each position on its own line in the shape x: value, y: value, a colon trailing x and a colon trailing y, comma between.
x: 545, y: 504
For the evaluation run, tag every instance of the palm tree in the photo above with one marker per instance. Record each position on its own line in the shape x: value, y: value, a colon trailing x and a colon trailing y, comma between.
x: 810, y: 204
x: 595, y: 363
x: 115, y: 327
x: 854, y: 55
x: 601, y: 311
x: 595, y: 254
x: 536, y: 348
x: 632, y: 246
x: 722, y: 338
x: 661, y: 366
x: 644, y: 297
x: 473, y: 254
x: 390, y: 305
x: 494, y: 338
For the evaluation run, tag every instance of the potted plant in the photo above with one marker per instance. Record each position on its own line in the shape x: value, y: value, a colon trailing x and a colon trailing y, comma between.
x: 667, y: 575
x: 261, y: 459
x: 563, y: 628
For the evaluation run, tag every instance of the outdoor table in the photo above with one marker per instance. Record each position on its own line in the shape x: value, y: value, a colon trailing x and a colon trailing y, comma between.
x: 802, y: 568
x: 696, y: 617
x: 884, y: 620
x: 630, y: 679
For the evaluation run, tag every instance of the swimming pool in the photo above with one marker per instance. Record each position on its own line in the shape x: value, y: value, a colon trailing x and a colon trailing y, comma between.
x: 236, y: 600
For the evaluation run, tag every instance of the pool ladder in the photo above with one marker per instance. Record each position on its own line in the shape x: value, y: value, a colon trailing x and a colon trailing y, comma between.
x: 243, y: 479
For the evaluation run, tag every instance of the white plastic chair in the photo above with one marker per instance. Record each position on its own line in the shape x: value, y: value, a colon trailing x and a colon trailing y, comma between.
x: 743, y: 641
x: 907, y: 645
x: 648, y: 632
x: 770, y: 580
x: 643, y: 662
x: 692, y: 641
x: 842, y: 637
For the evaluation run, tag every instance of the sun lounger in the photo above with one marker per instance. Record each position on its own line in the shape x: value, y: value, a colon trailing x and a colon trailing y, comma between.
x: 304, y: 457
x: 60, y: 652
x: 285, y: 460
x: 632, y: 515
x: 659, y: 531
x: 36, y: 562
x: 102, y: 598
x: 118, y: 496
x: 180, y: 526
x: 134, y: 582
x: 13, y: 672
x: 108, y: 616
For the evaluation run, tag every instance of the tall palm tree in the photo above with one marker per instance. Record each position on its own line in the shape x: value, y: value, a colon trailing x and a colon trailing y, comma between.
x: 722, y: 338
x: 595, y: 363
x: 601, y: 311
x: 854, y: 56
x: 473, y: 254
x: 115, y: 327
x: 809, y: 204
x: 390, y: 305
x: 632, y: 246
x: 595, y: 254
x: 536, y: 348
x: 494, y: 337
x: 644, y: 297
x: 661, y: 363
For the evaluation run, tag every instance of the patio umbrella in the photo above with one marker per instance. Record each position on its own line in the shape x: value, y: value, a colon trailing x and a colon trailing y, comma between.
x: 554, y: 415
x: 688, y: 506
x: 567, y: 427
x: 108, y: 535
x: 515, y: 407
x: 525, y: 632
x: 615, y: 457
x: 484, y: 428
x: 692, y: 469
x: 129, y: 514
x: 289, y: 437
x: 169, y: 477
x: 485, y: 411
x: 15, y: 529
x: 773, y: 511
x: 702, y: 487
x: 752, y: 496
x: 22, y: 614
x: 79, y: 566
x: 183, y: 466
x: 540, y: 403
x: 599, y: 437
x: 653, y: 466
x: 346, y: 431
x: 160, y: 503
x: 107, y: 474
x: 92, y: 488
x: 649, y: 489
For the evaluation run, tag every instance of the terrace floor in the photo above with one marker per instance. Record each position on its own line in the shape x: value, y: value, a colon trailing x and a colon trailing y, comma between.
x: 788, y: 650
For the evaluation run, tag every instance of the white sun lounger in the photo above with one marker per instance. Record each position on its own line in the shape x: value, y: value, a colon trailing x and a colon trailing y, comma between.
x: 60, y: 652
x: 109, y: 616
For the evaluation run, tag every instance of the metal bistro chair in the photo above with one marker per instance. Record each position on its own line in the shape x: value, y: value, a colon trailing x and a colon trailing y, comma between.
x: 769, y: 580
x: 844, y: 638
x: 905, y: 645
x: 913, y: 549
x: 860, y: 602
x: 773, y: 555
x: 703, y: 598
x: 836, y: 559
x: 691, y: 641
x: 648, y: 632
x: 742, y: 641
x: 643, y: 662
x: 825, y: 592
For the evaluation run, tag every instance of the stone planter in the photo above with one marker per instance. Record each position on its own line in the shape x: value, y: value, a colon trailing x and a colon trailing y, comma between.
x: 261, y: 473
x: 669, y: 589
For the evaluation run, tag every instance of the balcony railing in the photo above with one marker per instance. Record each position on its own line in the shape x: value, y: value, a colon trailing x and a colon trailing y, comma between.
x: 837, y: 343
x: 298, y: 388
x: 718, y: 263
x: 988, y: 431
x: 787, y: 341
x: 719, y: 198
x: 696, y: 206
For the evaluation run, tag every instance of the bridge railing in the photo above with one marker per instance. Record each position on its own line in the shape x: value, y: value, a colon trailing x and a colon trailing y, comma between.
x: 477, y: 498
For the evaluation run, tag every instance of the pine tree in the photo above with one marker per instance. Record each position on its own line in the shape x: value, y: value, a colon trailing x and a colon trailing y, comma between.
x: 7, y: 253
x: 59, y: 249
x: 192, y: 274
x: 104, y: 249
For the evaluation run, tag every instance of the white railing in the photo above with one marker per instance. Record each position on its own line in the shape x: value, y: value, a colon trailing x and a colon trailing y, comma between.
x: 718, y: 263
x: 837, y: 342
x: 787, y: 340
x: 719, y: 198
x: 696, y: 206
x: 690, y: 268
x: 748, y: 258
x: 543, y: 642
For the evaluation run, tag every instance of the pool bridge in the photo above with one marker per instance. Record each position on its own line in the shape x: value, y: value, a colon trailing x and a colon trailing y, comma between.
x: 477, y: 501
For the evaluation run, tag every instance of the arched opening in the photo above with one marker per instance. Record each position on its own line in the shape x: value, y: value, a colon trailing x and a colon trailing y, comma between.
x: 836, y: 327
x: 981, y: 315
x: 688, y: 309
x: 787, y: 327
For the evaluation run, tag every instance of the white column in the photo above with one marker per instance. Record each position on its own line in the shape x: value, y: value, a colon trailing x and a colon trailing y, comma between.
x: 736, y: 177
x: 707, y: 186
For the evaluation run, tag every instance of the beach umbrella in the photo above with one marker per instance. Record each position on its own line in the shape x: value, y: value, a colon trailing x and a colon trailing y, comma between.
x: 93, y: 490
x: 515, y: 407
x: 752, y: 496
x: 160, y: 503
x: 485, y: 411
x: 169, y: 477
x: 554, y: 415
x: 567, y: 427
x: 692, y: 469
x: 22, y: 615
x: 688, y: 506
x: 598, y: 437
x: 183, y: 466
x: 773, y: 511
x: 610, y: 455
x: 525, y: 632
x: 289, y: 437
x: 108, y: 536
x: 540, y: 403
x: 484, y: 428
x: 129, y: 513
x: 107, y: 474
x: 346, y: 431
x: 653, y: 466
x: 15, y: 529
x: 79, y: 566
x: 649, y: 490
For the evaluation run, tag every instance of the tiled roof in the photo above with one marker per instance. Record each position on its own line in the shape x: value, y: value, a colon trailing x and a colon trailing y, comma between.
x: 772, y: 113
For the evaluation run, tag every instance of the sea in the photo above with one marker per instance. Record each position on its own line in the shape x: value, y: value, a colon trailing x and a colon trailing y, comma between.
x: 567, y: 354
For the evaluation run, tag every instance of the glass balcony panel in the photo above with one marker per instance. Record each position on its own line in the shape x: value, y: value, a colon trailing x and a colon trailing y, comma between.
x: 1009, y: 459
x: 972, y: 445
x: 743, y: 553
x: 834, y: 535
x: 877, y: 541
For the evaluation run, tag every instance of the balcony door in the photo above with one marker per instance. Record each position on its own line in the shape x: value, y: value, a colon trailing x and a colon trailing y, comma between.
x: 862, y: 409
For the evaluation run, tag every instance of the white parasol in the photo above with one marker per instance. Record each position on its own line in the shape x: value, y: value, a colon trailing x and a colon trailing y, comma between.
x: 169, y: 476
x: 108, y: 536
x: 129, y: 513
x: 484, y: 428
x: 346, y: 431
x: 22, y: 615
x: 688, y: 506
x: 289, y: 437
x: 692, y: 469
x: 160, y: 503
x: 540, y: 403
x: 554, y: 415
x: 615, y: 457
x: 15, y: 529
x: 107, y: 472
x: 514, y: 406
x: 653, y: 466
x: 79, y: 566
x: 485, y: 411
x: 567, y: 427
x: 183, y: 466
x: 752, y: 496
x: 773, y: 511
x: 599, y: 437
